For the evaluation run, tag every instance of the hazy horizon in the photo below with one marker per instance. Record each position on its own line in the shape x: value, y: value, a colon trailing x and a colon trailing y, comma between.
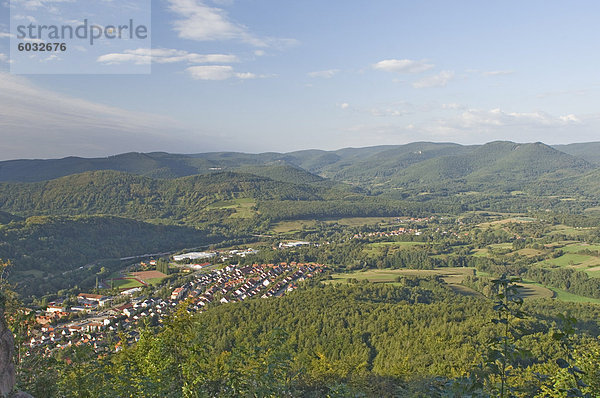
x: 292, y: 151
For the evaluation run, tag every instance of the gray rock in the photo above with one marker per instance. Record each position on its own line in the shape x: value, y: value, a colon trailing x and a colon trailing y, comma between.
x: 20, y: 394
x: 7, y: 366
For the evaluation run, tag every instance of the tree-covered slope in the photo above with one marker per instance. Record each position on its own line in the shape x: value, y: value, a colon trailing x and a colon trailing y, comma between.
x: 495, y: 166
x: 46, y: 252
x: 589, y: 151
x: 116, y: 193
x: 417, y: 339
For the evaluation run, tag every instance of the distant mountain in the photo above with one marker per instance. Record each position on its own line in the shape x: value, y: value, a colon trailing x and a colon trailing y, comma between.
x: 165, y: 165
x: 382, y: 164
x: 154, y: 164
x: 493, y: 166
x: 409, y: 169
x: 589, y: 151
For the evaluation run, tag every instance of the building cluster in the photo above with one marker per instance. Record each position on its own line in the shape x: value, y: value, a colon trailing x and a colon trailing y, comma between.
x: 396, y: 232
x: 237, y: 283
x: 223, y: 255
x: 283, y: 245
x: 98, y: 323
x: 96, y: 319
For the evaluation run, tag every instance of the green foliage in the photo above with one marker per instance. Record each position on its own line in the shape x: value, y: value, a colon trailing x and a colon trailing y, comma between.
x: 362, y: 339
x: 503, y: 353
x: 47, y: 252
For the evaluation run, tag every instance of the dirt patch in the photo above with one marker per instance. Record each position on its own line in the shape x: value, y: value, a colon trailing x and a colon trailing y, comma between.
x: 145, y: 275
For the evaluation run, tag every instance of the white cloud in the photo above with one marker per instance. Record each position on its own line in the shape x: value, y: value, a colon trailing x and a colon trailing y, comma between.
x: 472, y: 126
x: 164, y: 56
x: 452, y: 105
x: 5, y: 35
x: 570, y: 118
x: 35, y: 4
x: 498, y: 73
x: 212, y: 72
x: 65, y: 125
x: 439, y: 80
x: 50, y: 58
x: 259, y: 53
x: 198, y: 21
x: 28, y: 18
x: 401, y: 108
x: 344, y: 105
x: 477, y: 118
x: 246, y: 75
x: 403, y: 66
x: 326, y: 74
x: 219, y: 72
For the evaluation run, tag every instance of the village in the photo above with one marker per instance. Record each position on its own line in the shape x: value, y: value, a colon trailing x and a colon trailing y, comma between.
x: 103, y: 322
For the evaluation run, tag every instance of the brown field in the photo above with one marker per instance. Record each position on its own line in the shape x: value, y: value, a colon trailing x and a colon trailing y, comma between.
x: 504, y: 221
x: 145, y: 275
x: 535, y: 291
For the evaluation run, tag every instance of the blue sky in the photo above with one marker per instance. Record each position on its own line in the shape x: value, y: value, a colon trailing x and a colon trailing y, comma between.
x: 260, y: 75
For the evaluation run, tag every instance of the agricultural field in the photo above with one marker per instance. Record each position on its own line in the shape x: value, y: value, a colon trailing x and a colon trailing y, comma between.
x: 134, y: 279
x: 563, y: 295
x: 244, y: 207
x: 376, y: 248
x: 453, y: 276
x: 285, y: 227
x: 360, y: 221
x: 294, y: 226
x: 578, y: 247
x: 123, y: 283
x: 502, y: 222
x: 535, y: 290
x: 150, y: 277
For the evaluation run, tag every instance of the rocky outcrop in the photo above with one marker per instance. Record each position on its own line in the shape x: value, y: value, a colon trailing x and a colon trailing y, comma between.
x: 7, y: 366
x: 20, y: 394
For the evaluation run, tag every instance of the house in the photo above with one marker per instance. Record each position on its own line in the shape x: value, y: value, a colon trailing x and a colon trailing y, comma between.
x: 178, y: 293
x: 125, y: 309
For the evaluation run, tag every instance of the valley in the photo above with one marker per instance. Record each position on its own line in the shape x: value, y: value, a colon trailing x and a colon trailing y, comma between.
x: 312, y: 256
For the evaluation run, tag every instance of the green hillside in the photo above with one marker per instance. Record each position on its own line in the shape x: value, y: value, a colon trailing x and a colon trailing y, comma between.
x: 47, y: 252
x: 116, y: 193
x: 589, y: 151
x: 419, y: 166
x: 281, y: 171
x: 495, y: 166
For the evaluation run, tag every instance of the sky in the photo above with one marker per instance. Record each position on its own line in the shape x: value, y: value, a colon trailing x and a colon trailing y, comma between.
x: 279, y: 75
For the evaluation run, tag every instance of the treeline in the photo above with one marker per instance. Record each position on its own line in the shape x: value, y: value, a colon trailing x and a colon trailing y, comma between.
x: 571, y: 280
x: 349, y: 207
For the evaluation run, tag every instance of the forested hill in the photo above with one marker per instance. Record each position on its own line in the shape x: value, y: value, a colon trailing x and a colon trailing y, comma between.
x: 304, y: 183
x: 589, y: 151
x: 49, y: 253
x: 117, y: 193
x: 496, y: 165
